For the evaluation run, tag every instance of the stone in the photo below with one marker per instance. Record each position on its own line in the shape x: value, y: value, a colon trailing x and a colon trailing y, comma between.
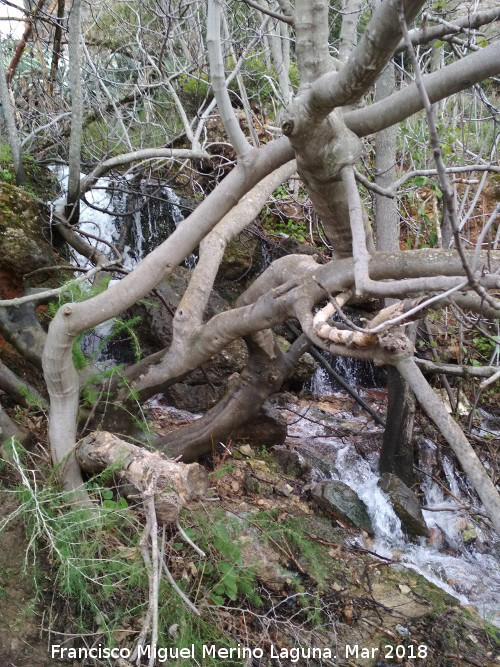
x: 405, y: 504
x: 247, y: 451
x: 292, y: 463
x: 240, y: 255
x: 267, y: 428
x: 24, y: 233
x: 339, y: 499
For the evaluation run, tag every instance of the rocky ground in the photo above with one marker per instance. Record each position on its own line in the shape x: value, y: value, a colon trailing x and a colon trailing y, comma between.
x: 317, y: 589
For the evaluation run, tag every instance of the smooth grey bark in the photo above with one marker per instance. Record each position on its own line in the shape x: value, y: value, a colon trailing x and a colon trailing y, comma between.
x: 311, y: 41
x: 264, y: 374
x: 279, y: 43
x: 60, y: 374
x: 218, y: 79
x: 311, y: 113
x: 75, y: 82
x: 12, y: 133
x: 348, y: 31
x: 451, y: 79
x: 430, y: 33
x: 386, y: 209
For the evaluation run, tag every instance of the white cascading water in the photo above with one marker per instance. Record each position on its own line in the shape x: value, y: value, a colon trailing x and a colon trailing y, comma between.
x: 145, y: 234
x: 457, y: 556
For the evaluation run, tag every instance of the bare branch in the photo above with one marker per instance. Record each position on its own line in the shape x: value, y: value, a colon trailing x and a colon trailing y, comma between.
x: 229, y: 120
x: 438, y: 85
x: 286, y: 18
x: 465, y: 24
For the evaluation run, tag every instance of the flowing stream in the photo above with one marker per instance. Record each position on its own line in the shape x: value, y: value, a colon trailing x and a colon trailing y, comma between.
x: 462, y: 554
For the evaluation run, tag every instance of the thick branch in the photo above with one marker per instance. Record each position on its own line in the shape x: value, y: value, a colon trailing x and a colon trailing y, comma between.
x: 275, y: 15
x: 228, y: 117
x: 75, y: 81
x: 366, y: 62
x: 135, y: 156
x: 463, y: 24
x: 20, y: 390
x: 443, y: 83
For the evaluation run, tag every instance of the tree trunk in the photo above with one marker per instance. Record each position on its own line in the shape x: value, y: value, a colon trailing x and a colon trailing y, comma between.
x: 173, y: 484
x: 14, y: 143
x: 397, y: 447
x: 75, y: 139
x: 263, y: 375
x: 455, y: 437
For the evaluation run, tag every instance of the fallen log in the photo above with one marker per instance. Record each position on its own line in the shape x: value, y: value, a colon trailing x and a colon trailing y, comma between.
x: 172, y: 483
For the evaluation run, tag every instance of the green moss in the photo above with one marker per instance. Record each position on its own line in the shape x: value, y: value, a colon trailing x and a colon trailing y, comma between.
x: 40, y: 181
x: 23, y: 232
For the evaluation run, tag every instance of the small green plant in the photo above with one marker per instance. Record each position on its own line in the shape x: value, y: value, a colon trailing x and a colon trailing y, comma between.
x: 223, y: 573
x: 6, y: 175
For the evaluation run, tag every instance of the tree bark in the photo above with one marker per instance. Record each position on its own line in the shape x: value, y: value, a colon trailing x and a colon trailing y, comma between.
x: 12, y: 134
x: 173, y: 484
x: 263, y: 375
x: 75, y: 139
x: 397, y: 446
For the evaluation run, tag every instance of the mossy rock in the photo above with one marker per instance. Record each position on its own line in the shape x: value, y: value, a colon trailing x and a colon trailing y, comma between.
x: 240, y: 255
x: 24, y: 228
x: 40, y: 181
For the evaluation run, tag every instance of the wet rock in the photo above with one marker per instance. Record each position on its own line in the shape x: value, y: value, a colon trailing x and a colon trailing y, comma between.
x: 304, y: 369
x: 405, y: 504
x: 193, y: 397
x: 292, y: 463
x: 343, y: 502
x: 267, y: 428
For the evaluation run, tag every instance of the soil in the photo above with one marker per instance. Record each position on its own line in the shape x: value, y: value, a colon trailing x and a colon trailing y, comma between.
x: 22, y: 615
x: 370, y: 601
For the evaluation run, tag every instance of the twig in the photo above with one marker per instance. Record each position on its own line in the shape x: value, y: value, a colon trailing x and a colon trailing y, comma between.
x: 147, y: 620
x: 449, y: 202
x: 471, y: 661
x: 154, y: 575
x: 441, y: 485
x: 380, y: 629
x: 176, y: 588
x: 188, y: 540
x: 446, y: 509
